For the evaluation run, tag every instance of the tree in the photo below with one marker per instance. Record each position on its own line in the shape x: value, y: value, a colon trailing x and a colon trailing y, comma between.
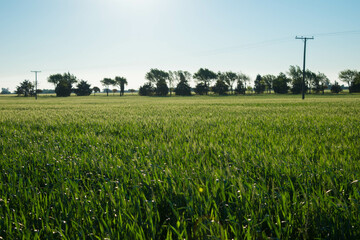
x: 336, y: 88
x: 96, y: 89
x: 114, y: 91
x: 55, y: 79
x: 161, y: 88
x: 229, y: 78
x: 240, y: 87
x: 158, y: 77
x: 348, y: 76
x: 132, y: 90
x: 63, y: 89
x: 63, y: 83
x: 70, y: 78
x: 176, y: 76
x: 296, y: 79
x: 146, y: 90
x: 205, y: 76
x: 268, y: 80
x: 5, y: 91
x: 155, y: 75
x: 220, y: 87
x: 322, y: 82
x: 280, y: 84
x: 243, y: 79
x: 355, y: 84
x: 171, y: 79
x: 316, y: 82
x: 26, y: 88
x: 83, y: 89
x: 259, y: 84
x: 106, y: 82
x: 311, y: 80
x: 182, y: 74
x: 19, y: 91
x: 121, y: 82
x: 183, y: 88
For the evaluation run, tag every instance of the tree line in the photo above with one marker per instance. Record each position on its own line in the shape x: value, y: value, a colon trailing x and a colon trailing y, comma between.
x: 162, y: 83
x: 64, y: 85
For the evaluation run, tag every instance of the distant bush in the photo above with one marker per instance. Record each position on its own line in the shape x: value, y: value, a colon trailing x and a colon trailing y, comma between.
x: 220, y: 87
x: 83, y: 89
x: 336, y: 88
x: 201, y: 89
x: 5, y: 91
x: 48, y: 91
x: 146, y: 90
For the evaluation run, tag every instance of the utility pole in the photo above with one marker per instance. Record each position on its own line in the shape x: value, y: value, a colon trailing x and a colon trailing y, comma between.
x: 36, y: 83
x: 303, y: 83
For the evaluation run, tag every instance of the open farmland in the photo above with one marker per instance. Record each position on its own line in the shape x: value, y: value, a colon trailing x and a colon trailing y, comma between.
x: 180, y: 168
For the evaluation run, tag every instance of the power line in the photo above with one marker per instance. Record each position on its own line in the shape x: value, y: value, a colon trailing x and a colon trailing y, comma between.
x: 303, y: 82
x: 243, y: 46
x: 337, y: 33
x: 251, y: 45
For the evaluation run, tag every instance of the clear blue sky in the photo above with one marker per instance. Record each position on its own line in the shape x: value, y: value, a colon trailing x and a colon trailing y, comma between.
x: 94, y: 39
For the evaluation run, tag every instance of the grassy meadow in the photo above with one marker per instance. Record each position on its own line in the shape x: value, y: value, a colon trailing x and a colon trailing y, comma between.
x: 201, y: 167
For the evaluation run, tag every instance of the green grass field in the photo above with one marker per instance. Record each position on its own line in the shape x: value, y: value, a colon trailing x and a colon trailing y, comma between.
x: 208, y: 167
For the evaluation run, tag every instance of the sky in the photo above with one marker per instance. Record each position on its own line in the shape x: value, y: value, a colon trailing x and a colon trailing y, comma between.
x: 96, y: 39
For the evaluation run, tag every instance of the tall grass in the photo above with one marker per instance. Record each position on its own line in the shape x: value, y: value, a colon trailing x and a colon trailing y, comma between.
x: 180, y: 168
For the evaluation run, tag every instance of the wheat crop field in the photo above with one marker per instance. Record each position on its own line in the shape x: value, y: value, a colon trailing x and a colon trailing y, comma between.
x: 201, y: 167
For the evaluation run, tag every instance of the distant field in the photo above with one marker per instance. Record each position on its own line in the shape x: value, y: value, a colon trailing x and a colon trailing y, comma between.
x: 201, y: 167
